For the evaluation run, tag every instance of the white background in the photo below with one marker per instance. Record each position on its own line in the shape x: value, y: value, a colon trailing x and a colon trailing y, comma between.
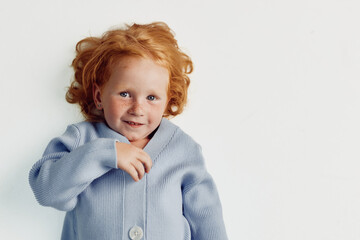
x: 274, y: 102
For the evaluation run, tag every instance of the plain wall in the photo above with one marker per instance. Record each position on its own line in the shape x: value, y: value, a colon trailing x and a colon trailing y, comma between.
x: 274, y: 102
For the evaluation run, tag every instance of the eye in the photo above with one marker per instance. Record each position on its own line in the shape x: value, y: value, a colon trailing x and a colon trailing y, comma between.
x: 151, y: 98
x: 124, y: 94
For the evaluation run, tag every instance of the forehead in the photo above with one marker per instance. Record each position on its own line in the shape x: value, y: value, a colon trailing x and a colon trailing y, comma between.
x: 139, y: 71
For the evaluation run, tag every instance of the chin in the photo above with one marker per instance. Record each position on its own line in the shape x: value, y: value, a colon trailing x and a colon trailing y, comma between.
x: 134, y: 139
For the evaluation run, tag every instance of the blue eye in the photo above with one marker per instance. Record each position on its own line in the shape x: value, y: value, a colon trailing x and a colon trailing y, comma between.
x: 124, y: 94
x: 151, y: 98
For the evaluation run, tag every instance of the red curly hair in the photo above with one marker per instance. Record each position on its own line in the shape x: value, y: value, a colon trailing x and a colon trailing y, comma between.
x: 95, y: 58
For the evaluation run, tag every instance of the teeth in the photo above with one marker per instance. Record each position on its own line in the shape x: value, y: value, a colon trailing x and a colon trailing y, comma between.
x: 132, y: 123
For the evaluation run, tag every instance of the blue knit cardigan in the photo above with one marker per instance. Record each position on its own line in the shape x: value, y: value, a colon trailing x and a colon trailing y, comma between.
x: 176, y: 200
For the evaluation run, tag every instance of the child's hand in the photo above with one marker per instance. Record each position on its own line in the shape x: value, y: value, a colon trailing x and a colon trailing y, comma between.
x: 132, y: 160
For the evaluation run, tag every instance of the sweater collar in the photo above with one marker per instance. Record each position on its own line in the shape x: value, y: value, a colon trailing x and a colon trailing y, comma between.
x: 106, y: 132
x: 156, y: 144
x: 161, y: 138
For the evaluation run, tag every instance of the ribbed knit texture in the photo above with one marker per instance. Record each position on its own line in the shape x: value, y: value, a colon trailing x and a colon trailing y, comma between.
x: 176, y: 200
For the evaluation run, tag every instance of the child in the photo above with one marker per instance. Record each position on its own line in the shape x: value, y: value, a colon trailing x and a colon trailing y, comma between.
x: 127, y: 172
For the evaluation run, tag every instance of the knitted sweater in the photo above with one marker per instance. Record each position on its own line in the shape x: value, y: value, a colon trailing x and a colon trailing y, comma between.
x: 176, y: 200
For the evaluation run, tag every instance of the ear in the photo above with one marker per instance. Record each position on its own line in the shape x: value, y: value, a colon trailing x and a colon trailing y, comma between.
x: 97, y: 96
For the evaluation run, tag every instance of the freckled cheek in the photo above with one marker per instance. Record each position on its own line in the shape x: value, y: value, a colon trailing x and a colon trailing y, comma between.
x: 157, y: 111
x: 117, y: 108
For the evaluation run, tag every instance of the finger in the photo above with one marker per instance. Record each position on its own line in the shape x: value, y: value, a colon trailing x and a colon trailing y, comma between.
x: 139, y: 168
x: 145, y: 159
x: 131, y: 170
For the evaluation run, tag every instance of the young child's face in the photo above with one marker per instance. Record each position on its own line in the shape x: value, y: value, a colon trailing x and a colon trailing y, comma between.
x: 135, y: 97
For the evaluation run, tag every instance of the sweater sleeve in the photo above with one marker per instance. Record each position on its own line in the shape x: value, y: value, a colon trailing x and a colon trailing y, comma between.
x: 66, y: 169
x: 201, y: 202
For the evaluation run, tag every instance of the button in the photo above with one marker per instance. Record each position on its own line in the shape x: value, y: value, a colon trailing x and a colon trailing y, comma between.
x: 136, y: 233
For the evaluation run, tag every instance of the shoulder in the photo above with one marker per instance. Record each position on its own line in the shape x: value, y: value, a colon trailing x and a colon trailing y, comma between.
x: 183, y: 138
x: 69, y: 140
x: 184, y: 143
x: 84, y: 126
x: 83, y: 131
x: 187, y: 154
x: 92, y: 130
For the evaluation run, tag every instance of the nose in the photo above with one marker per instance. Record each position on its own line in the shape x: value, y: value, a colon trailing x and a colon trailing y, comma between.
x: 136, y: 109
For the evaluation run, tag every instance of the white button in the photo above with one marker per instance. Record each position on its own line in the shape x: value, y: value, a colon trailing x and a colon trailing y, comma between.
x: 136, y: 233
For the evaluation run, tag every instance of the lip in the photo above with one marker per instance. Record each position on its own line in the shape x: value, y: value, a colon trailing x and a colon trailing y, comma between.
x: 134, y: 124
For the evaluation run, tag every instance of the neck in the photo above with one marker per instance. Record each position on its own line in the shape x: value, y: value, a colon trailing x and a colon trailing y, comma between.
x: 140, y: 143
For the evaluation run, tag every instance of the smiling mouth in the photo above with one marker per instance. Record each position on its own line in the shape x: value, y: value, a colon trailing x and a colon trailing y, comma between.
x: 134, y: 124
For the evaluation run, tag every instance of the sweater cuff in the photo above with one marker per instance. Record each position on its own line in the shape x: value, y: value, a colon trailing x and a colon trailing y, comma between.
x: 106, y: 148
